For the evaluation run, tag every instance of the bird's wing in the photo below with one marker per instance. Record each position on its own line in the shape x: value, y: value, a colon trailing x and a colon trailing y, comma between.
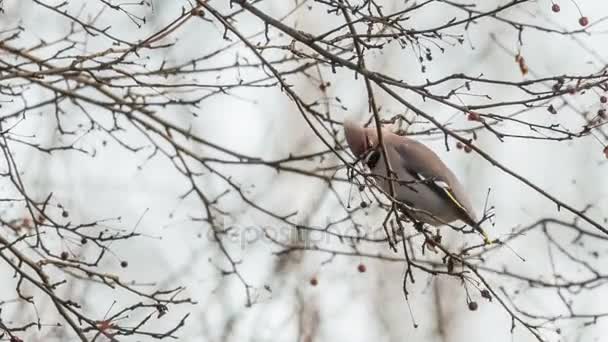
x: 426, y: 166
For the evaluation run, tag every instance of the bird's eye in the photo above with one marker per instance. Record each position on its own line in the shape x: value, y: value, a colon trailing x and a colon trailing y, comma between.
x: 372, y: 159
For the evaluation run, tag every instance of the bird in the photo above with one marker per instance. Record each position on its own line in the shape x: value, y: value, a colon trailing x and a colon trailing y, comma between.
x: 421, y: 180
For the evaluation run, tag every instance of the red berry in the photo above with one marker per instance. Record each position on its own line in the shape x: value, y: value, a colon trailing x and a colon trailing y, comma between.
x: 467, y: 149
x: 583, y: 21
x: 314, y: 281
x: 555, y: 8
x: 603, y: 99
x: 104, y: 325
x: 361, y: 268
x: 473, y: 116
x: 459, y: 145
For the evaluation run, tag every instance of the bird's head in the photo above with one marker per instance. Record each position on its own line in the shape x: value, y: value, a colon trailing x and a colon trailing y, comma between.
x: 360, y: 139
x: 362, y: 142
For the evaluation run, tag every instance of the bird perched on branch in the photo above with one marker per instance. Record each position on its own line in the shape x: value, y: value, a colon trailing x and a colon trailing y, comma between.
x: 431, y: 192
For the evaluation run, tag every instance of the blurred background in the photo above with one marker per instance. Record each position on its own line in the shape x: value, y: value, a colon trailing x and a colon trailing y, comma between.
x: 168, y: 146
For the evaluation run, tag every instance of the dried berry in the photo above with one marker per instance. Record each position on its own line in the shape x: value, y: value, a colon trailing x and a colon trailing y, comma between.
x: 361, y: 268
x: 523, y: 68
x: 474, y: 116
x: 583, y: 21
x: 473, y: 306
x: 555, y: 8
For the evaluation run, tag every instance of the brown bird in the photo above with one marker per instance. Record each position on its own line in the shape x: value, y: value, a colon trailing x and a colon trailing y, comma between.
x: 421, y: 180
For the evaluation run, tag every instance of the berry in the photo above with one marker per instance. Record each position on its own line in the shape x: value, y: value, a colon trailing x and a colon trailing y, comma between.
x: 124, y: 264
x: 583, y: 21
x: 473, y: 306
x: 65, y: 214
x: 571, y: 90
x: 468, y: 149
x: 363, y: 204
x: 473, y: 116
x: 64, y: 255
x: 601, y: 113
x: 361, y: 268
x: 603, y: 99
x: 555, y: 8
x: 459, y: 145
x: 314, y: 281
x: 104, y: 325
x: 522, y: 64
x: 83, y: 240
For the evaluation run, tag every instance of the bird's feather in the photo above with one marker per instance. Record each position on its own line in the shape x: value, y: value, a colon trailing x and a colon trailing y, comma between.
x: 416, y: 156
x: 443, y: 189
